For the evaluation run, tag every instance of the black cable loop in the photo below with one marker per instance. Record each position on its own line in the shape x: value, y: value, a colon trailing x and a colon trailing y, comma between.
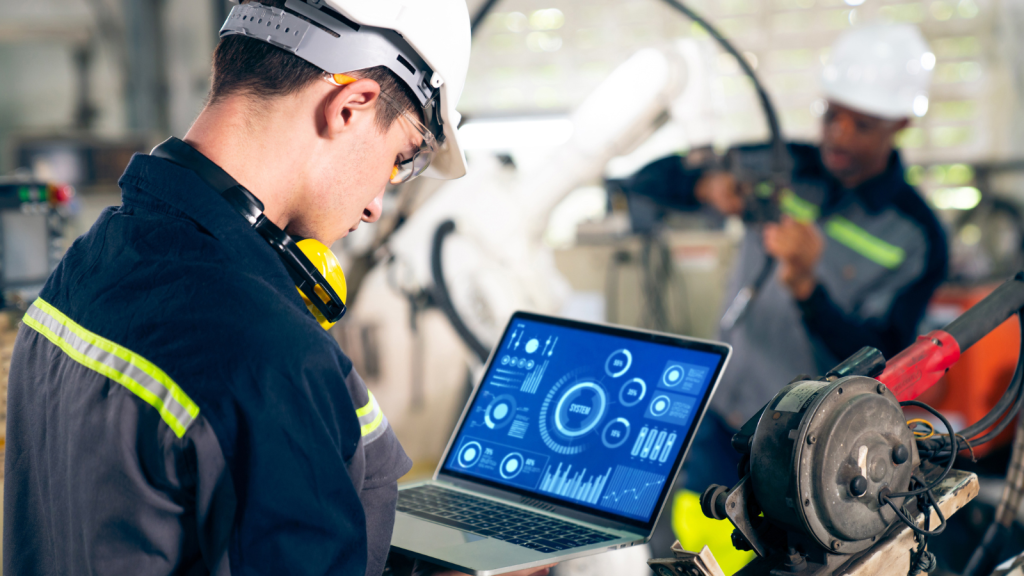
x: 970, y: 447
x: 931, y: 503
x: 949, y: 463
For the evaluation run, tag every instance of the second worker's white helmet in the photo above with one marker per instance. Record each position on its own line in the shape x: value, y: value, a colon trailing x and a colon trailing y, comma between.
x: 883, y: 70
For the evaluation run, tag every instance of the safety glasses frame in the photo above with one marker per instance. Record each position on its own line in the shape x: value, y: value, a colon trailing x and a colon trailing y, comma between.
x: 404, y: 170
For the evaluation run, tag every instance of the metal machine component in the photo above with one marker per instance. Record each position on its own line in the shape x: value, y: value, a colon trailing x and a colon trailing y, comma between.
x: 839, y: 438
x: 821, y: 454
x: 895, y: 552
x: 740, y: 507
x: 685, y: 563
x: 831, y: 463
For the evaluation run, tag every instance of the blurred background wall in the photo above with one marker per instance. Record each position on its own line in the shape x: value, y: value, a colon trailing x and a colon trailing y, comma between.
x: 132, y: 71
x: 119, y: 67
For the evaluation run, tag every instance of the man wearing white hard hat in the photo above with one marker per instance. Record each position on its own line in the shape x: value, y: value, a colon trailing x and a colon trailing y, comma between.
x: 176, y: 405
x: 859, y: 254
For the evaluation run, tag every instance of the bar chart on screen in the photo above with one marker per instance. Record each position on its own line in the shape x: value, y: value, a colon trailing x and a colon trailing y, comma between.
x: 576, y: 485
x: 532, y: 381
x: 633, y: 491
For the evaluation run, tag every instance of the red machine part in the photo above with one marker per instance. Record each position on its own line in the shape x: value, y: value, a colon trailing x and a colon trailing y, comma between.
x: 988, y: 338
x: 60, y: 194
x: 921, y: 365
x: 975, y: 384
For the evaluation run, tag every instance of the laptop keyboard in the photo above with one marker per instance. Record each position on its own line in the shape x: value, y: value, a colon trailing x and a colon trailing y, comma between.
x: 494, y: 520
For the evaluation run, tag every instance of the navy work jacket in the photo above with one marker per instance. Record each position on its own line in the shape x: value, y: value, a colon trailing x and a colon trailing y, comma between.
x: 884, y: 255
x: 174, y: 408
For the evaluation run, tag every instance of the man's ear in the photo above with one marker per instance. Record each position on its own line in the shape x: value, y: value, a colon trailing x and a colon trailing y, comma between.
x: 900, y: 124
x: 351, y: 105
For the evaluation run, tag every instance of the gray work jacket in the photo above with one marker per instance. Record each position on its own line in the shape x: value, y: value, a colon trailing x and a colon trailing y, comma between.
x: 885, y: 254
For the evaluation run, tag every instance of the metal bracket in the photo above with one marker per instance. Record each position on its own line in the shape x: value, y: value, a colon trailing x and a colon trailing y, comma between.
x: 686, y: 563
x: 736, y: 510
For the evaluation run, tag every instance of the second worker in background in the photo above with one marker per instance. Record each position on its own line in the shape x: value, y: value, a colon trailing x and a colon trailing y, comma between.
x: 859, y: 253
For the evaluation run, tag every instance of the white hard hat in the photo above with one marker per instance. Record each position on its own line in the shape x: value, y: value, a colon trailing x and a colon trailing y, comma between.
x: 883, y: 70
x: 425, y: 43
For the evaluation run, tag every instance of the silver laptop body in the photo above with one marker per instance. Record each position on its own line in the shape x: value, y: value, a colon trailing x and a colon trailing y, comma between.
x: 568, y: 447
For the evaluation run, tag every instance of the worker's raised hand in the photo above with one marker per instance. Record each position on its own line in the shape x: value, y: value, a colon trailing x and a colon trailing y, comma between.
x: 720, y: 191
x: 797, y: 246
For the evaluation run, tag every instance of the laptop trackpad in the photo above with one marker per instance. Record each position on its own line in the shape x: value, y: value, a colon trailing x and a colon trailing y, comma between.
x: 412, y: 533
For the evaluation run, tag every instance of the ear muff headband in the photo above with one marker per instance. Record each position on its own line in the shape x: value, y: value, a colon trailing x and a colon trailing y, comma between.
x: 312, y: 266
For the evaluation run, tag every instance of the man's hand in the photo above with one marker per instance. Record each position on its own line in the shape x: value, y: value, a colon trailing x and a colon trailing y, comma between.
x: 798, y: 247
x: 542, y: 571
x: 720, y: 191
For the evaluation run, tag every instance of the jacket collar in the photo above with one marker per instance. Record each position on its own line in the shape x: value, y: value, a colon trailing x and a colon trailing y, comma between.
x: 156, y: 183
x: 877, y: 192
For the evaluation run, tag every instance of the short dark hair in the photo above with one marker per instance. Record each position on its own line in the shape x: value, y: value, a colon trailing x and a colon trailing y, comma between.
x: 251, y: 67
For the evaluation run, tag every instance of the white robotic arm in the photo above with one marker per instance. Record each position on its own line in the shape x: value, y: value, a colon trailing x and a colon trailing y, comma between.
x: 495, y: 261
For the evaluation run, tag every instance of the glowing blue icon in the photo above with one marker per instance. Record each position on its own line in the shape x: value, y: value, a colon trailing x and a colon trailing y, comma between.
x: 618, y: 363
x: 470, y: 454
x: 660, y: 405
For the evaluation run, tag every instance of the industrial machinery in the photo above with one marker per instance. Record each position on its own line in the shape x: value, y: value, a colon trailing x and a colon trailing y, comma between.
x: 830, y: 465
x: 32, y: 220
x: 474, y: 251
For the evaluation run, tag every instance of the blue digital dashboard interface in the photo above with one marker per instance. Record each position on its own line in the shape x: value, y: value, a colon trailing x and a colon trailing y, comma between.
x: 590, y: 418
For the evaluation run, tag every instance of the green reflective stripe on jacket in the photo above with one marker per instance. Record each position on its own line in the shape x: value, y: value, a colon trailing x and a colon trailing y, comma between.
x: 797, y: 207
x: 864, y: 243
x: 370, y: 419
x: 116, y: 362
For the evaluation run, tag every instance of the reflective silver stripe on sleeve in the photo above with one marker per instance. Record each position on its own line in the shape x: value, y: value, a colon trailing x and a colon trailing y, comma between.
x: 372, y: 422
x: 138, y: 375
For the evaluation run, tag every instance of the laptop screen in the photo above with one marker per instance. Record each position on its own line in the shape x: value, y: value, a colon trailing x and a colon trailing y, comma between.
x: 594, y: 417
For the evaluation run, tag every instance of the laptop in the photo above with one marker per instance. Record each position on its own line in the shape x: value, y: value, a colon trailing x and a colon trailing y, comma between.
x: 569, y: 447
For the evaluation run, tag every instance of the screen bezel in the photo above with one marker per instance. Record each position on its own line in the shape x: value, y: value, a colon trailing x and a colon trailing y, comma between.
x: 724, y: 351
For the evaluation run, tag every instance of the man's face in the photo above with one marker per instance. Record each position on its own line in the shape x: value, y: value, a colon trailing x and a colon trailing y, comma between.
x: 353, y: 180
x: 856, y: 146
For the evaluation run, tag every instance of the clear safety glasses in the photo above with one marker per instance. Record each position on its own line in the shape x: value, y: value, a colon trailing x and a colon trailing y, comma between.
x: 405, y: 168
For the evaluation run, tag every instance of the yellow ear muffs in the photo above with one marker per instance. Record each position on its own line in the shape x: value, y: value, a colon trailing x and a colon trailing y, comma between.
x: 327, y: 263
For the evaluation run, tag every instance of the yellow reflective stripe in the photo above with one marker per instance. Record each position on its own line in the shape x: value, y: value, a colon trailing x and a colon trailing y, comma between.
x: 368, y: 408
x: 864, y: 243
x: 368, y: 428
x: 370, y: 417
x: 372, y: 422
x: 797, y: 207
x: 134, y: 372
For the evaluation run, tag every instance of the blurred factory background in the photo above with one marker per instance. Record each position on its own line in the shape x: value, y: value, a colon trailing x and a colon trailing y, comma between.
x: 539, y: 223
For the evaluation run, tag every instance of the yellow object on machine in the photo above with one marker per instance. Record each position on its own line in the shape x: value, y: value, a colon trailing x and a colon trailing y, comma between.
x: 694, y: 530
